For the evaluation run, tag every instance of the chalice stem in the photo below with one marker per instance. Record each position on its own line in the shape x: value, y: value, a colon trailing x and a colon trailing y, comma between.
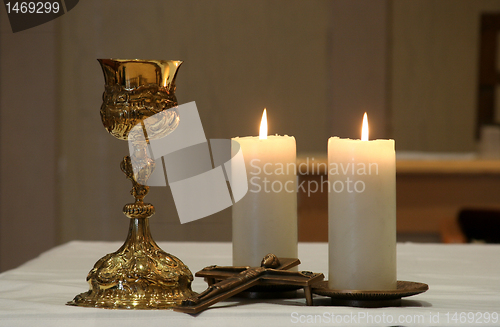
x: 138, y: 232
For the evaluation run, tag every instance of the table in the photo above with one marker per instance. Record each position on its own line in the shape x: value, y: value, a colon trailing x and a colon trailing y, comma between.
x: 463, y: 279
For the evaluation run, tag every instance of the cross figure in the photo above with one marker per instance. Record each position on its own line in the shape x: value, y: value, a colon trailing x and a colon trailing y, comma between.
x: 224, y: 282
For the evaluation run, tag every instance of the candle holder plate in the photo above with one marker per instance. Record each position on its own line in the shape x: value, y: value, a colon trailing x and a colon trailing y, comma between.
x: 369, y: 299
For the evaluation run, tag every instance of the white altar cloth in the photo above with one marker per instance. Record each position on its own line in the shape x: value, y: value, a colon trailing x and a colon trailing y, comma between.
x: 464, y: 288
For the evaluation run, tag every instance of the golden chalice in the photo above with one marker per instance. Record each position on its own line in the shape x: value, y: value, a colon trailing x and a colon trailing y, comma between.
x: 139, y: 275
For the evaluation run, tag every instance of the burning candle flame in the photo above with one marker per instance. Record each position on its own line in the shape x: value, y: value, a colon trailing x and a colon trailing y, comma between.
x: 364, y: 129
x: 263, y: 126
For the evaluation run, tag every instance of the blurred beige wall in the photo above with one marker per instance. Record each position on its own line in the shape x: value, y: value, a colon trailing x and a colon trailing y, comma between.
x: 359, y: 67
x: 434, y: 73
x: 315, y: 65
x: 28, y: 145
x: 240, y: 57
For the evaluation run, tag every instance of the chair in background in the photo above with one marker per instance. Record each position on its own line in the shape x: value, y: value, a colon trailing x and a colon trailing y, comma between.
x: 472, y: 225
x: 480, y: 225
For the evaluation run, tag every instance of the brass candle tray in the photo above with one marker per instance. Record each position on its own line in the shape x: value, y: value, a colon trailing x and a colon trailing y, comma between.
x: 369, y: 299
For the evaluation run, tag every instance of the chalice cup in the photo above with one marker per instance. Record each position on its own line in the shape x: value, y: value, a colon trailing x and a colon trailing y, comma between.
x: 140, y: 275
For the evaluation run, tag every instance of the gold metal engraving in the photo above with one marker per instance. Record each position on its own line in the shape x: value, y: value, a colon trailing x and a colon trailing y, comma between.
x: 139, y: 275
x: 136, y: 90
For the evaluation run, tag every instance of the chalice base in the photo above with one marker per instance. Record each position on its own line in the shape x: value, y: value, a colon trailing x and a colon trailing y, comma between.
x: 140, y: 275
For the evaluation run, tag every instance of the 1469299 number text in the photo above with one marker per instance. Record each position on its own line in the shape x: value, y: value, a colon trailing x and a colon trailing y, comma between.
x: 32, y: 7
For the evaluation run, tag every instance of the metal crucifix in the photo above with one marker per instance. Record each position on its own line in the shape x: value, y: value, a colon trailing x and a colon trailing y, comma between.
x: 226, y: 281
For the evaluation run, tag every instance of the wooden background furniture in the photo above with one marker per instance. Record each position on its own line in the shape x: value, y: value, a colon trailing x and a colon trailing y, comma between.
x: 489, y: 75
x: 430, y: 193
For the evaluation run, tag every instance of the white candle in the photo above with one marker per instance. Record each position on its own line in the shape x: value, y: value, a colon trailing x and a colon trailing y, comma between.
x: 265, y: 220
x: 362, y: 213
